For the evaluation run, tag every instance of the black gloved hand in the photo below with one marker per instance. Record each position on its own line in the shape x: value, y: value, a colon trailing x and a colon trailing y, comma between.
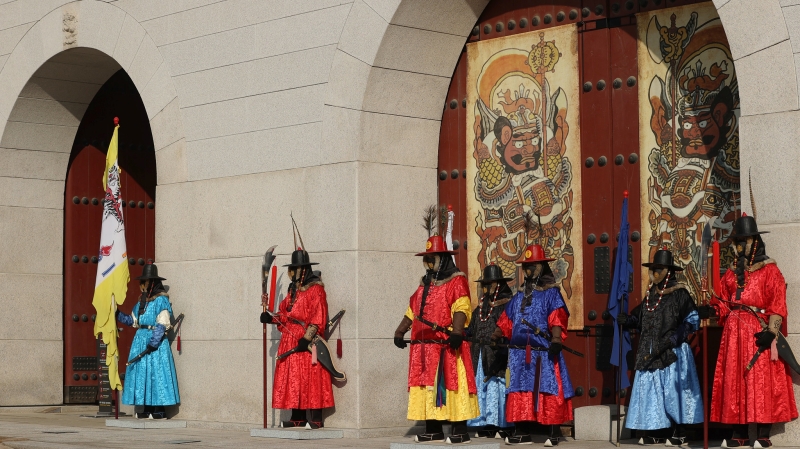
x: 706, y: 312
x: 302, y: 344
x: 398, y: 341
x: 555, y: 349
x: 764, y: 339
x: 266, y: 318
x: 499, y: 365
x: 679, y: 336
x: 455, y: 341
x: 622, y: 319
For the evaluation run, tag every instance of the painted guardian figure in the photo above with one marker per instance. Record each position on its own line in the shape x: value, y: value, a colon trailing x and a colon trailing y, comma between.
x: 150, y: 379
x: 666, y: 391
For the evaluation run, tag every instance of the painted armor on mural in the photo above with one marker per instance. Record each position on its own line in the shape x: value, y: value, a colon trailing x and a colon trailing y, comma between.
x: 523, y: 151
x: 690, y: 132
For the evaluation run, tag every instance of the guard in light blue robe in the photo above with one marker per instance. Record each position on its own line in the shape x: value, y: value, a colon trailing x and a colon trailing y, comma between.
x: 151, y: 381
x: 490, y: 361
x: 666, y: 390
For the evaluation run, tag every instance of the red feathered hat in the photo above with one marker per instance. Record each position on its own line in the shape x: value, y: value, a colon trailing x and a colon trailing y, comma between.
x: 435, y: 245
x: 534, y: 254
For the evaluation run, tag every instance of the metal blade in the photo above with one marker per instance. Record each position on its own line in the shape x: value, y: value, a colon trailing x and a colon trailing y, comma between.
x: 268, y: 259
x: 704, y: 245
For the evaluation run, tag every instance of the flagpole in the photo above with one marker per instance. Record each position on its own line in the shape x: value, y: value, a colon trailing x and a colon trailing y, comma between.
x: 619, y: 383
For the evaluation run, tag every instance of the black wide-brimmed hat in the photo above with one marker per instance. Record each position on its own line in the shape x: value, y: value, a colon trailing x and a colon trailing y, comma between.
x: 493, y: 273
x: 300, y: 259
x: 663, y: 258
x: 150, y: 271
x: 746, y: 227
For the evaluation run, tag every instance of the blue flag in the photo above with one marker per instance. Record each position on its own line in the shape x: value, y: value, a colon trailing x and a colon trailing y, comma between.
x: 618, y: 300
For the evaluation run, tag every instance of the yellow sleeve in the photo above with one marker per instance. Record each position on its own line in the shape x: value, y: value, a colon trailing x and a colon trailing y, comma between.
x: 409, y: 313
x: 464, y: 306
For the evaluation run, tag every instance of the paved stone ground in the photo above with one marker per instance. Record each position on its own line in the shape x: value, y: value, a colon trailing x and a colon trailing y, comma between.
x: 63, y: 427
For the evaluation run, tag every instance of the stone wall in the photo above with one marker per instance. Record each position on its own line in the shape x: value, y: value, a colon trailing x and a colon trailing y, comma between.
x: 328, y: 109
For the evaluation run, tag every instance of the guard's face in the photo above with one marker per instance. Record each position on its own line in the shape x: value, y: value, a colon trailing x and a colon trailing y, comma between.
x: 489, y: 288
x: 294, y: 273
x: 143, y: 286
x: 744, y: 246
x: 657, y: 274
x: 430, y: 262
x: 532, y: 269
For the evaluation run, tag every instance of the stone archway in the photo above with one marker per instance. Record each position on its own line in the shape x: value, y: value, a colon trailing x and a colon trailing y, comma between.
x: 388, y: 82
x: 47, y: 82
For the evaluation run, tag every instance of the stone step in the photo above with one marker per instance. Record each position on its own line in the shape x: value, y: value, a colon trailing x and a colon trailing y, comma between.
x: 599, y: 423
x: 297, y: 434
x: 133, y: 423
x: 442, y: 445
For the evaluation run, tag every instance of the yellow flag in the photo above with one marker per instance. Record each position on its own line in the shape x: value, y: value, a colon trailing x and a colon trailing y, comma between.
x: 111, y: 284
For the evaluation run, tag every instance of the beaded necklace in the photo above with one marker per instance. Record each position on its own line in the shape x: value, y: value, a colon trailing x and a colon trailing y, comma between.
x: 480, y: 311
x: 660, y: 295
x: 746, y: 272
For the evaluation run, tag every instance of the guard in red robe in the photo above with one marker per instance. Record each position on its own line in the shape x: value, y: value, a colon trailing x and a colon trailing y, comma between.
x: 441, y: 383
x: 300, y: 385
x: 752, y: 296
x: 535, y: 322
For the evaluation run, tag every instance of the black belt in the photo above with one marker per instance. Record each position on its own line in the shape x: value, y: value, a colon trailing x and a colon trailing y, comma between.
x: 432, y: 325
x: 746, y: 307
x: 152, y: 328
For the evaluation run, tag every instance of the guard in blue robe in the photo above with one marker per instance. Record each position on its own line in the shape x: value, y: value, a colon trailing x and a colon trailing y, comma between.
x: 150, y: 381
x: 666, y: 390
x: 535, y: 321
x: 489, y: 361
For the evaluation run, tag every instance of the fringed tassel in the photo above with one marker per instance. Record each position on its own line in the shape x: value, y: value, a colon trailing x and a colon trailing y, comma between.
x: 528, y: 352
x: 441, y: 392
x: 339, y: 342
x: 178, y: 345
x: 314, y: 355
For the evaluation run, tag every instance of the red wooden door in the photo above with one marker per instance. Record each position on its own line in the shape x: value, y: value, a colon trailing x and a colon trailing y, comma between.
x: 82, y: 218
x: 609, y: 119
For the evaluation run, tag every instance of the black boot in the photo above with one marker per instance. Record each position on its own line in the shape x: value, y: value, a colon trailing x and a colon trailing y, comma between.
x: 145, y: 413
x: 555, y: 435
x: 522, y: 434
x: 316, y: 419
x: 739, y: 437
x: 158, y: 413
x: 487, y: 432
x: 298, y: 419
x: 458, y: 433
x: 433, y: 432
x: 762, y: 436
x: 678, y: 437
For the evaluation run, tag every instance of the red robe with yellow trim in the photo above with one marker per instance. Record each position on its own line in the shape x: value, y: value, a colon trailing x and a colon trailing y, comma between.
x: 764, y: 394
x: 424, y: 357
x: 298, y: 383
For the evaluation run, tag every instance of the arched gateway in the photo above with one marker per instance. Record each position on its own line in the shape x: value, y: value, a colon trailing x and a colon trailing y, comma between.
x: 83, y: 206
x: 599, y: 97
x: 65, y: 67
